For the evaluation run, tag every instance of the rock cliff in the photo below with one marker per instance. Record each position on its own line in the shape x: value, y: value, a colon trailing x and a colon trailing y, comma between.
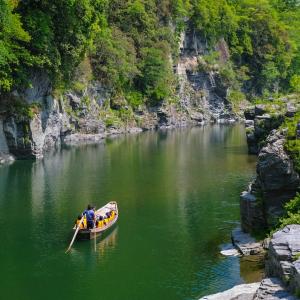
x: 284, y: 257
x: 276, y: 180
x: 41, y: 118
x: 200, y: 88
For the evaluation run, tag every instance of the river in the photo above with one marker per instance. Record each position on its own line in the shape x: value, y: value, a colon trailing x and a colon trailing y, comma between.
x: 178, y: 195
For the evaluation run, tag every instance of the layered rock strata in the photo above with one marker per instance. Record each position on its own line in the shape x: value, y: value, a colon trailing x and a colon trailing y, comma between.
x: 284, y: 256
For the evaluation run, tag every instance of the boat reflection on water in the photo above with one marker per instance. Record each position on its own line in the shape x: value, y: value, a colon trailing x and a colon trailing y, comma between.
x: 106, y: 242
x: 98, y: 252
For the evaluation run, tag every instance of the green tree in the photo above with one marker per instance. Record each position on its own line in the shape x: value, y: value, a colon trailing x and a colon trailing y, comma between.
x: 156, y: 78
x: 12, y: 37
x: 114, y: 59
x: 295, y: 83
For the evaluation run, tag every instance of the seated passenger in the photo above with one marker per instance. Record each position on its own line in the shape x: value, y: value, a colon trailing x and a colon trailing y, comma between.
x: 100, y: 224
x: 77, y: 222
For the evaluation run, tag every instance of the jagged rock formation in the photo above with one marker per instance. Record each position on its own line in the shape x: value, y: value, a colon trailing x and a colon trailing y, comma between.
x: 261, y: 119
x: 276, y: 180
x: 202, y: 90
x: 282, y: 271
x: 276, y: 183
x: 239, y: 292
x: 267, y: 289
x: 30, y: 137
x: 4, y: 151
x: 284, y: 256
x: 75, y: 117
x: 272, y: 289
x: 246, y: 244
x: 81, y: 115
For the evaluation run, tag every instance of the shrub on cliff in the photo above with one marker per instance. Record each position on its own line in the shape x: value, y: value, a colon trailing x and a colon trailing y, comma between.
x: 292, y: 209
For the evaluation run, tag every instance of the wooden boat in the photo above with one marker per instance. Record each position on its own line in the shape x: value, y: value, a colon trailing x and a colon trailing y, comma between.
x: 93, y: 233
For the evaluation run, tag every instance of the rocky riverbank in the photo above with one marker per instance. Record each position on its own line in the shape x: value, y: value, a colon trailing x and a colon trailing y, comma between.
x: 282, y: 268
x: 277, y: 182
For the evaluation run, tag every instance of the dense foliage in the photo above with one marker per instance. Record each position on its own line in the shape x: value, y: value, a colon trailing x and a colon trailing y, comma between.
x: 130, y: 42
x: 292, y: 215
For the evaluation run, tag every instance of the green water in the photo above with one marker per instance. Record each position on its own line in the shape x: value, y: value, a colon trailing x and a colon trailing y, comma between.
x: 178, y: 195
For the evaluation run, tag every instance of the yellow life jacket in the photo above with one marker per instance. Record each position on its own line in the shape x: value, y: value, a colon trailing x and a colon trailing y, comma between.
x: 100, y: 224
x: 84, y: 222
x: 81, y: 225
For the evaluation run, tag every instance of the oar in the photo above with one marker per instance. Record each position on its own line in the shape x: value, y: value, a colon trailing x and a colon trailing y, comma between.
x: 73, y: 239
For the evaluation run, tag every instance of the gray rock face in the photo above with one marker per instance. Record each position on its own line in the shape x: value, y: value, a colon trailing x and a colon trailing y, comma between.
x: 272, y: 289
x: 17, y: 137
x: 5, y: 156
x: 239, y: 292
x: 259, y: 124
x: 252, y: 211
x: 274, y: 167
x: 202, y: 88
x: 84, y: 110
x: 29, y: 138
x: 268, y: 289
x: 246, y: 244
x: 275, y: 184
x: 276, y: 176
x: 283, y: 250
x: 3, y: 144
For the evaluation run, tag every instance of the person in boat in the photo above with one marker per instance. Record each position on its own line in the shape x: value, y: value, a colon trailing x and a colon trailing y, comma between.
x: 90, y: 216
x: 107, y: 218
x: 77, y: 222
x: 99, y: 223
x: 112, y: 214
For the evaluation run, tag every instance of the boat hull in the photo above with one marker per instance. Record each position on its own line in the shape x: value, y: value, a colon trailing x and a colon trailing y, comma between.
x: 86, y: 234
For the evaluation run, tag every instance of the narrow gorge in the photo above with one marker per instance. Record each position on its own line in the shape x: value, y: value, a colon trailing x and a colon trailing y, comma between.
x: 186, y: 113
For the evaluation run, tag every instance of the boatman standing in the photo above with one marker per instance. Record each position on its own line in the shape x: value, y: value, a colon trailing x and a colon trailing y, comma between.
x: 90, y: 216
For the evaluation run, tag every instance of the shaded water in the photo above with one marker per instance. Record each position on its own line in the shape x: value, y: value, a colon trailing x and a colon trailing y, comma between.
x: 178, y: 195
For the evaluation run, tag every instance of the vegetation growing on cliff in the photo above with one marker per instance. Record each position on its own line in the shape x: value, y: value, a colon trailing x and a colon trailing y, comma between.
x: 292, y: 215
x: 292, y: 144
x: 130, y: 43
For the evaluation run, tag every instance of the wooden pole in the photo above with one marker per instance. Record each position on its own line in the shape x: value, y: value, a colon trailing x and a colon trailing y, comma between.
x: 73, y: 239
x: 95, y: 241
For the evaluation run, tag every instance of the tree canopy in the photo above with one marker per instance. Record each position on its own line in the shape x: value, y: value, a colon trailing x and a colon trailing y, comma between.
x: 130, y: 42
